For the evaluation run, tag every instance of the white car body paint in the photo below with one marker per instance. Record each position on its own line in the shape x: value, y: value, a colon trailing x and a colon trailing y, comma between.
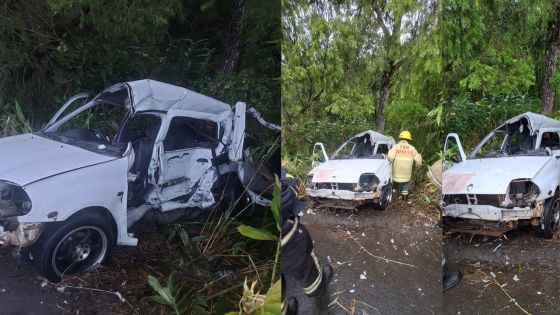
x: 325, y: 181
x: 62, y: 179
x: 476, y: 177
x: 29, y: 157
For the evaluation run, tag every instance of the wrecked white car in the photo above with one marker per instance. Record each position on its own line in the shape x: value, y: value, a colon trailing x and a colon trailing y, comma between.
x: 511, y: 178
x: 72, y: 190
x: 357, y: 173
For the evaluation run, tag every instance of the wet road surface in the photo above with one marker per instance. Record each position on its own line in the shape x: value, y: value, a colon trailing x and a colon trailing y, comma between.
x: 500, y: 272
x: 385, y: 262
x: 21, y: 291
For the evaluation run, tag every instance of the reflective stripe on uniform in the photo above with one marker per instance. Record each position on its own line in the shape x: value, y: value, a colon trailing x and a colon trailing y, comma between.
x: 315, y: 285
x: 403, y: 156
x: 286, y: 238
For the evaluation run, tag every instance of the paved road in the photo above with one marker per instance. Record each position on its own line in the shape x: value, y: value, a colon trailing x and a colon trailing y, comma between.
x: 21, y: 291
x: 522, y: 266
x: 410, y: 282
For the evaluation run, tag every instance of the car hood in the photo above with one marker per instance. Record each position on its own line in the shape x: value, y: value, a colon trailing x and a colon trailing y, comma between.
x: 28, y: 158
x: 345, y: 171
x: 490, y: 175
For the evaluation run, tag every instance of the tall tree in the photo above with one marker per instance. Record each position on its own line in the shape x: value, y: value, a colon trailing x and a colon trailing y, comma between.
x: 390, y: 24
x: 398, y: 33
x: 232, y: 52
x: 552, y: 44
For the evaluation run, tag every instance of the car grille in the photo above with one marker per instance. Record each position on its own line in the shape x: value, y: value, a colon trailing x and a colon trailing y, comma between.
x: 336, y: 186
x: 480, y: 199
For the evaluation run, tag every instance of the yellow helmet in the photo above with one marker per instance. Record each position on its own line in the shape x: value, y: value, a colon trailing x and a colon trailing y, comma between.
x: 405, y: 134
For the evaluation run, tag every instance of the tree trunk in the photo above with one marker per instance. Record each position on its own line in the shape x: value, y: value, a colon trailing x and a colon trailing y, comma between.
x: 384, y: 91
x: 550, y: 61
x: 232, y: 52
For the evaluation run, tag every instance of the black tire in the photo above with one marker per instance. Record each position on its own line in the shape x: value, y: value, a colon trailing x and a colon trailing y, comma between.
x: 551, y: 218
x: 74, y: 246
x: 386, y: 196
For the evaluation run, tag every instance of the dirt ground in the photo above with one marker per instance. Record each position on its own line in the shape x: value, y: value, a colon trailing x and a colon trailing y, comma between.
x: 23, y: 292
x: 505, y: 275
x: 385, y: 262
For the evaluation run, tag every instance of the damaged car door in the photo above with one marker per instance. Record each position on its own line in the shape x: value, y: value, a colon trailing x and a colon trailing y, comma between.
x: 187, y: 173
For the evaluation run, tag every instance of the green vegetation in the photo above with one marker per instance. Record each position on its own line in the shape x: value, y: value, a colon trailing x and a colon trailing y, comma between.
x: 50, y: 50
x: 431, y: 67
x: 350, y: 66
x: 230, y: 50
x: 496, y: 63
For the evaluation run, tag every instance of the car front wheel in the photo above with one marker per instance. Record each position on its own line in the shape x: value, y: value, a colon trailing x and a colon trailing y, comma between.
x: 74, y: 246
x: 386, y: 196
x: 551, y: 217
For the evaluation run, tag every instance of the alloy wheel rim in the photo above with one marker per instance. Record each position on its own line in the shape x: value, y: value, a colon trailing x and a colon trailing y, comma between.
x: 79, y: 251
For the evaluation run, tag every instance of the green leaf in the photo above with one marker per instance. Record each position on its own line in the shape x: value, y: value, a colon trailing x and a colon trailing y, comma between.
x: 274, y: 294
x: 164, y: 293
x: 185, y: 238
x: 256, y: 234
x: 276, y: 202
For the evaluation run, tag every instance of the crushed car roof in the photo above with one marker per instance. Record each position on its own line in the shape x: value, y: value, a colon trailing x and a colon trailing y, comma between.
x: 536, y: 121
x: 154, y: 95
x: 375, y: 136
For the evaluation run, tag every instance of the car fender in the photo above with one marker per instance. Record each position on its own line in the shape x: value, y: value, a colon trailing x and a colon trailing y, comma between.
x: 102, y: 185
x: 547, y: 178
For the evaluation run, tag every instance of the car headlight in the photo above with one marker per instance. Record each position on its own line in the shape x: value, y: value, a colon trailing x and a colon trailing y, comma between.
x: 523, y: 191
x: 14, y: 201
x: 308, y: 182
x: 367, y: 182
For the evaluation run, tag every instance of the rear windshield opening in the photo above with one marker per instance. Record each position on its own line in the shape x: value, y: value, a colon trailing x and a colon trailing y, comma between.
x: 361, y: 148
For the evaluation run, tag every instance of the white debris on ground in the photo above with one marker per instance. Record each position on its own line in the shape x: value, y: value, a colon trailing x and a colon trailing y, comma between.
x: 363, y: 275
x: 515, y: 278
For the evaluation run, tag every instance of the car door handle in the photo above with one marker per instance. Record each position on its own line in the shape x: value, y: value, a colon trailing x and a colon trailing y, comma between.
x: 202, y: 160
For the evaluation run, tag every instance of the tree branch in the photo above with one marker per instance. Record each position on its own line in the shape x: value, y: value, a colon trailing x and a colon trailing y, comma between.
x: 379, y: 19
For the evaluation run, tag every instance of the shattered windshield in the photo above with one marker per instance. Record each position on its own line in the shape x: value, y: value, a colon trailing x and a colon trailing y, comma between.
x: 96, y: 124
x: 361, y: 148
x: 509, y: 140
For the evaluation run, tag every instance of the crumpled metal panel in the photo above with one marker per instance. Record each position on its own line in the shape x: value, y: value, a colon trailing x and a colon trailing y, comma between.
x: 151, y: 95
x: 536, y: 121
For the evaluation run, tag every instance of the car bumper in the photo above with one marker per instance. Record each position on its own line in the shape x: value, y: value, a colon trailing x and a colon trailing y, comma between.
x: 492, y: 213
x: 342, y: 194
x: 25, y: 235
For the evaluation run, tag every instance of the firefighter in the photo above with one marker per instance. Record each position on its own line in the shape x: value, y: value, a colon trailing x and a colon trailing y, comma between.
x: 404, y: 155
x: 298, y: 256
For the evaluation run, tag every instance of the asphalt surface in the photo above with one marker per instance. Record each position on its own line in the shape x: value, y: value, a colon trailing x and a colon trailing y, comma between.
x: 22, y: 292
x: 386, y: 262
x: 508, y: 275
